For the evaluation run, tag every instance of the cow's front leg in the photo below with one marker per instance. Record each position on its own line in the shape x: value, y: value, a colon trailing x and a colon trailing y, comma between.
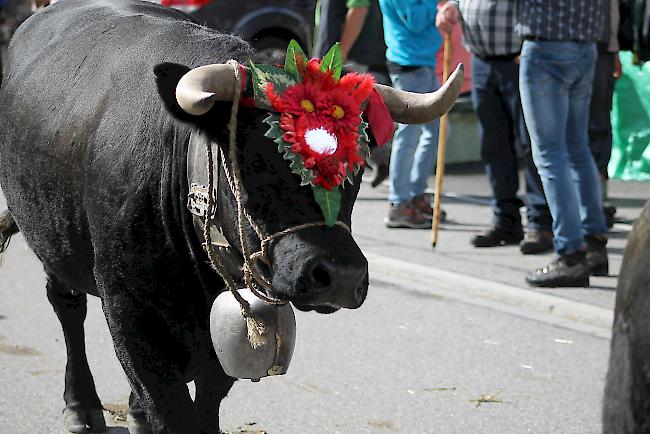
x: 137, y: 419
x: 212, y: 385
x: 150, y: 357
x: 83, y: 410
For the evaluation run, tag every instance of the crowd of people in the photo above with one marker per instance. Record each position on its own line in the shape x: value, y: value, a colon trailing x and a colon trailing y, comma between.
x: 542, y: 76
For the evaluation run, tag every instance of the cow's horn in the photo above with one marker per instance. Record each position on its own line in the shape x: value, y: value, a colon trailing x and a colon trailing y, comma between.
x: 420, y: 108
x: 200, y: 88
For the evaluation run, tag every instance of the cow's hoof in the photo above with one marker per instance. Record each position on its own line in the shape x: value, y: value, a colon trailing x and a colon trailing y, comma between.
x: 138, y: 426
x: 74, y: 420
x: 78, y: 420
x: 96, y: 421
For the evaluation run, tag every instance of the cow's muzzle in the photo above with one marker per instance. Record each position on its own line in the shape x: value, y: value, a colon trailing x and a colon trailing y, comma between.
x: 330, y: 286
x: 320, y: 275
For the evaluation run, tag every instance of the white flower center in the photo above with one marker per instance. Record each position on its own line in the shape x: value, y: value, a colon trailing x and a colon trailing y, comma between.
x: 321, y: 141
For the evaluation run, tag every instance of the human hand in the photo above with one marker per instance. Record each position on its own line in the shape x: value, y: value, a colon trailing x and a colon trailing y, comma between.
x: 447, y: 17
x: 618, y: 68
x: 344, y: 54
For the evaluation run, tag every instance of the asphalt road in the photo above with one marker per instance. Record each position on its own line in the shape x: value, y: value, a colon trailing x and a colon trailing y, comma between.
x: 437, y: 347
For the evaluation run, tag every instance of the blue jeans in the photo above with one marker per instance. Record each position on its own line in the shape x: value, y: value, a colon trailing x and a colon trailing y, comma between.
x: 555, y: 84
x: 600, y: 126
x: 413, y: 156
x: 495, y: 97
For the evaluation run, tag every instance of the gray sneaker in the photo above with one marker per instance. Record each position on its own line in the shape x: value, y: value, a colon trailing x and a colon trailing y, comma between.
x: 406, y: 215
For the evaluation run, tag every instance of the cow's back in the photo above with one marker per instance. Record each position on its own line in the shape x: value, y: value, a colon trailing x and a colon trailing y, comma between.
x: 88, y: 155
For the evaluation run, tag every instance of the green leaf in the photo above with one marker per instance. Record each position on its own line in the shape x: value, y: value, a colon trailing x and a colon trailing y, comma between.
x: 272, y: 117
x: 349, y: 175
x: 363, y: 134
x: 296, y: 164
x: 333, y: 61
x: 306, y: 177
x: 294, y: 54
x: 273, y: 120
x: 274, y: 132
x: 265, y: 74
x: 329, y: 202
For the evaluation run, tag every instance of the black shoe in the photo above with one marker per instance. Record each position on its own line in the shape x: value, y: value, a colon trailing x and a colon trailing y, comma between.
x: 566, y: 271
x: 536, y: 241
x: 498, y: 236
x: 597, y: 255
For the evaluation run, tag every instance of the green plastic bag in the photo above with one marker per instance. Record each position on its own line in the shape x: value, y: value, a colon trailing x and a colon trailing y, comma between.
x: 631, y: 122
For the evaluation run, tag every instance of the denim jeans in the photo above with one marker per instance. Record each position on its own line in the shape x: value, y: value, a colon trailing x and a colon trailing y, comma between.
x: 555, y: 84
x: 600, y: 126
x: 413, y: 156
x: 495, y: 97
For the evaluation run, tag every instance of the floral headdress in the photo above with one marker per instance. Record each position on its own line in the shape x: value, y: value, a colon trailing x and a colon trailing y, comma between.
x: 318, y: 125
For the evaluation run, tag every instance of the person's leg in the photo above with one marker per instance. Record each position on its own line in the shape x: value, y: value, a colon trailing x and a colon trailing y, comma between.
x: 600, y: 127
x: 402, y: 213
x: 546, y: 77
x: 539, y: 215
x: 548, y: 72
x: 424, y: 160
x: 498, y: 152
x: 538, y: 237
x: 583, y: 167
x: 405, y: 142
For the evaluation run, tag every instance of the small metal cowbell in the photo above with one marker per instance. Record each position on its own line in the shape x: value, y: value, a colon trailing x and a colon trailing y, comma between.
x: 229, y: 333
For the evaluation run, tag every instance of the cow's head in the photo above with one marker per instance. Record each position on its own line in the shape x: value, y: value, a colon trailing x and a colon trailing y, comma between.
x: 316, y: 267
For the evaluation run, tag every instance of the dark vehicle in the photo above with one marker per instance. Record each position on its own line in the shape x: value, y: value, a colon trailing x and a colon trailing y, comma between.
x: 268, y: 25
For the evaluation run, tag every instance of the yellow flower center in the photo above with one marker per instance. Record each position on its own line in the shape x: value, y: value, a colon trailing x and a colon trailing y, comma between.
x: 307, y: 105
x: 337, y: 112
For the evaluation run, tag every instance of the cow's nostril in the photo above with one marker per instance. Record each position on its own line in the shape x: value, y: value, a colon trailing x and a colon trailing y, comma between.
x: 321, y: 276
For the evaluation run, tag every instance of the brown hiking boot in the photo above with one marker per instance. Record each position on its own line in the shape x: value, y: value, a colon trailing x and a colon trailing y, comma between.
x: 422, y: 203
x: 597, y: 260
x: 406, y: 215
x: 536, y: 241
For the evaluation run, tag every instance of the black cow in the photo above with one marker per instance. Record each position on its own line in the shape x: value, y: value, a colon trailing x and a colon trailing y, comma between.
x: 626, y: 406
x: 93, y: 166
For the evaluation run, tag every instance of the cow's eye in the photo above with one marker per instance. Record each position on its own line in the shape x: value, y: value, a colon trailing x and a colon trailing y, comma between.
x: 337, y: 112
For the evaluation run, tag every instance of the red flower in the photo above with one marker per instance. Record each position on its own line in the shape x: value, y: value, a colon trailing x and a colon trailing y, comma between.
x: 320, y: 118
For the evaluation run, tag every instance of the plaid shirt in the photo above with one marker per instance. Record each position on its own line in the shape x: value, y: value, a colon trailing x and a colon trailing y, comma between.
x: 563, y: 20
x: 489, y: 27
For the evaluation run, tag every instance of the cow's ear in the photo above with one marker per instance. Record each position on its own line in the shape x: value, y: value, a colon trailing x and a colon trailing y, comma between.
x: 167, y: 77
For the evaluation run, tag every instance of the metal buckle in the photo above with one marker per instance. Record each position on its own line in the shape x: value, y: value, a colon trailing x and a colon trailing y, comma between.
x: 197, y: 200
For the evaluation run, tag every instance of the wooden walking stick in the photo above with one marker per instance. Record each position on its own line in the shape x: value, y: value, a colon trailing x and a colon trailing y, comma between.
x: 442, y: 142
